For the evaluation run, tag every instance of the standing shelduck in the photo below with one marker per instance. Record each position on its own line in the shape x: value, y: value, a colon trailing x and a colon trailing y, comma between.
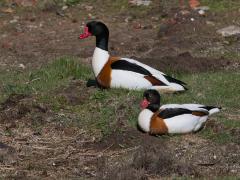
x: 171, y: 118
x: 116, y: 72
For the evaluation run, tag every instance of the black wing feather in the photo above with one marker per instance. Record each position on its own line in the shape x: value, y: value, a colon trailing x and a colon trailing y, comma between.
x: 171, y: 112
x: 128, y: 66
x: 173, y: 80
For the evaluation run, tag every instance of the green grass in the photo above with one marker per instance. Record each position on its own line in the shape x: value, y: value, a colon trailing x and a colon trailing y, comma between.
x: 104, y: 110
x: 45, y: 79
x: 216, y: 88
x: 221, y: 5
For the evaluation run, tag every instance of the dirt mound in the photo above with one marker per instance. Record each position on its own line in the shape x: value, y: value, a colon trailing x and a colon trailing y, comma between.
x: 186, y: 63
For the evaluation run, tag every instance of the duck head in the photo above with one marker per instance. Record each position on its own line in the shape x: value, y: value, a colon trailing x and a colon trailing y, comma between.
x: 100, y: 31
x: 151, y: 100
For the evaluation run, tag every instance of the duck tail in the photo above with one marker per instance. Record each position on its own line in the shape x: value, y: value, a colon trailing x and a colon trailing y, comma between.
x: 212, y: 109
x: 176, y: 81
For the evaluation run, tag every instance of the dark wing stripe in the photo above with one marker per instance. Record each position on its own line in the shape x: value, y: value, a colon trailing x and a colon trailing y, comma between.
x: 173, y: 80
x: 128, y: 66
x: 171, y: 112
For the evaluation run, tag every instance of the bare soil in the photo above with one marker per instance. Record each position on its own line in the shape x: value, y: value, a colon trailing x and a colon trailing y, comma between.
x: 34, y: 144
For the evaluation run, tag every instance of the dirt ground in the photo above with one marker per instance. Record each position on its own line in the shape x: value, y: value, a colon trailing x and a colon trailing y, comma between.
x: 166, y: 38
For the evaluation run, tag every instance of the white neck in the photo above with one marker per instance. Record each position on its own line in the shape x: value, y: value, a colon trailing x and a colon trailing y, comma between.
x: 100, y: 57
x: 144, y: 119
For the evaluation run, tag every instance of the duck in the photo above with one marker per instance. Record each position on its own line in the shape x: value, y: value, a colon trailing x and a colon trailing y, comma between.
x: 118, y: 72
x: 171, y: 118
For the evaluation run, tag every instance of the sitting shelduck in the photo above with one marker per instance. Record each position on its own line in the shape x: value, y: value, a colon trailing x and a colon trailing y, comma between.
x: 171, y: 118
x: 116, y: 72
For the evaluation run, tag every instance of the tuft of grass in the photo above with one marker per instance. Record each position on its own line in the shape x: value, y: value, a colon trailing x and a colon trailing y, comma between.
x: 45, y: 79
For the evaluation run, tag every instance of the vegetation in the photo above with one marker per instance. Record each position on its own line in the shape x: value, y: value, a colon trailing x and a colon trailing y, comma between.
x: 222, y: 5
x: 104, y: 108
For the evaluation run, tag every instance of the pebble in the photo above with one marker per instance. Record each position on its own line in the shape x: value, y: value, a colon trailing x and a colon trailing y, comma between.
x: 22, y: 66
x: 64, y: 8
x: 140, y: 2
x: 201, y: 12
x: 13, y: 21
x: 229, y: 31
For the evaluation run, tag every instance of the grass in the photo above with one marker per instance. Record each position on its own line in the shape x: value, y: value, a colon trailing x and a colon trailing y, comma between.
x: 221, y: 5
x: 104, y: 110
x: 216, y: 88
x: 45, y: 79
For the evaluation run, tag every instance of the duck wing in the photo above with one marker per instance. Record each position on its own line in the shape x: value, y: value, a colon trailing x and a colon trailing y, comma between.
x: 129, y: 66
x: 133, y: 67
x: 154, y: 76
x: 172, y: 112
x: 193, y: 107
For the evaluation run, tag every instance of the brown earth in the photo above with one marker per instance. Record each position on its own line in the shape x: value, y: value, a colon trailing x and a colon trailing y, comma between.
x: 35, y: 144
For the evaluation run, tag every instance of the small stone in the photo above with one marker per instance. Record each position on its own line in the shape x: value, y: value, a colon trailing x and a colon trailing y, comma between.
x: 22, y: 66
x: 201, y: 12
x: 64, y: 8
x: 13, y: 21
x: 229, y: 31
x: 192, y: 19
x: 140, y: 2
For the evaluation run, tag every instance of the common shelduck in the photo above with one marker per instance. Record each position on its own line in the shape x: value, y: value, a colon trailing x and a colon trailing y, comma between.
x: 116, y: 72
x: 171, y: 118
